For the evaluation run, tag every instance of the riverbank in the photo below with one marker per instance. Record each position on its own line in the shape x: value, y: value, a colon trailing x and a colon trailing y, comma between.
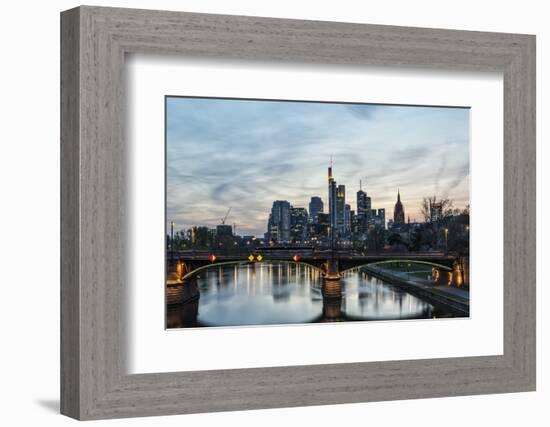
x: 455, y: 299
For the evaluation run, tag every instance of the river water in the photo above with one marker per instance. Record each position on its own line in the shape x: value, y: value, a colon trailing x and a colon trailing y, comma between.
x: 284, y: 293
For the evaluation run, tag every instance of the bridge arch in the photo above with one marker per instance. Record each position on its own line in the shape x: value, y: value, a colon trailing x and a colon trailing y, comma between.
x: 390, y: 261
x: 196, y: 270
x: 204, y: 267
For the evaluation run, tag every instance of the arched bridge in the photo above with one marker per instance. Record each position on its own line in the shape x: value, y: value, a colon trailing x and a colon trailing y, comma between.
x: 185, y: 264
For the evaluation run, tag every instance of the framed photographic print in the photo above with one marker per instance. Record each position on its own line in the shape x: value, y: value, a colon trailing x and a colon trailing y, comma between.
x: 345, y: 212
x: 256, y: 244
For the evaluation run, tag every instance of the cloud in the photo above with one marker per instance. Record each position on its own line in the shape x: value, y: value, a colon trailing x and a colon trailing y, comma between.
x: 440, y: 171
x: 461, y: 174
x: 246, y: 154
x: 363, y: 111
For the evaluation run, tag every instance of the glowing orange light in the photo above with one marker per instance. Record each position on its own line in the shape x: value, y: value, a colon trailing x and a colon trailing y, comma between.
x: 251, y: 257
x: 212, y: 258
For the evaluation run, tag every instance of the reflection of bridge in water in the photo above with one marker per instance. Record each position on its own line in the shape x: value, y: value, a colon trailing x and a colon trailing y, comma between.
x: 286, y: 293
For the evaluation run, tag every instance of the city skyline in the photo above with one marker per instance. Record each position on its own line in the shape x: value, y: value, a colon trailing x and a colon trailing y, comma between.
x: 246, y: 154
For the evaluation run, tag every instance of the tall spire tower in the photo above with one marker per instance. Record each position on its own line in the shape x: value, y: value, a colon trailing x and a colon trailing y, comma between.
x: 331, y: 201
x: 398, y: 211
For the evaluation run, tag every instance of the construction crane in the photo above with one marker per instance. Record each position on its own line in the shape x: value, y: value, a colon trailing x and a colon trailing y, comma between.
x: 226, y: 215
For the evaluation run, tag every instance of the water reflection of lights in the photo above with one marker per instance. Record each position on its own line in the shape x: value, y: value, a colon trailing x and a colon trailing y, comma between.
x: 252, y: 294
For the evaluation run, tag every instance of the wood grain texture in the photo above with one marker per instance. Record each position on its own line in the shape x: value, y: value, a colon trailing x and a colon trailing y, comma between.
x: 70, y: 297
x: 94, y: 242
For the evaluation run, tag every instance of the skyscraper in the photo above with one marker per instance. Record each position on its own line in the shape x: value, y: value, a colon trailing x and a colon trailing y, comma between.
x: 331, y: 202
x: 341, y: 210
x: 354, y: 229
x: 298, y: 224
x: 382, y: 217
x: 267, y: 234
x: 315, y: 208
x: 363, y: 209
x: 347, y: 220
x: 398, y: 211
x: 279, y: 224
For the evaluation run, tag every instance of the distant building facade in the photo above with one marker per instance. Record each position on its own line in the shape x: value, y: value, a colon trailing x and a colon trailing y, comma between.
x: 224, y: 230
x: 354, y: 229
x: 279, y: 221
x: 347, y: 220
x: 341, y: 211
x: 224, y: 236
x: 363, y: 210
x: 298, y: 224
x: 381, y: 217
x: 316, y: 207
x: 319, y: 232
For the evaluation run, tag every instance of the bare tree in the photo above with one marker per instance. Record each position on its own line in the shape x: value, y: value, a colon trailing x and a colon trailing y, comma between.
x: 427, y: 202
x: 446, y: 207
x: 425, y: 208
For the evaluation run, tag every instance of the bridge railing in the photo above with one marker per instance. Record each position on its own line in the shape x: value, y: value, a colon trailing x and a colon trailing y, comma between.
x: 306, y: 253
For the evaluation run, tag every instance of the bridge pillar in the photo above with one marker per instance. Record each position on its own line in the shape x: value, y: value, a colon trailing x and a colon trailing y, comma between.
x: 332, y: 270
x: 174, y: 273
x: 332, y: 288
x: 458, y: 274
x: 442, y: 277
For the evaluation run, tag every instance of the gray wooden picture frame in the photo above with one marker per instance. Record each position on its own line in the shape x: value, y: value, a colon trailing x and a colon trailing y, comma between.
x: 94, y: 41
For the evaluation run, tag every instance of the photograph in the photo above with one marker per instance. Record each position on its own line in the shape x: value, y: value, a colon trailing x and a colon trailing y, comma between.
x: 299, y: 212
x: 267, y: 212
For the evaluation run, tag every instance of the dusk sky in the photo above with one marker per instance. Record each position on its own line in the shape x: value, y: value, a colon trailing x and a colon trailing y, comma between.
x: 246, y: 154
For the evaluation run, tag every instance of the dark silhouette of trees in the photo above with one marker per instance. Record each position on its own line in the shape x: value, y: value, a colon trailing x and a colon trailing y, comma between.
x: 446, y: 207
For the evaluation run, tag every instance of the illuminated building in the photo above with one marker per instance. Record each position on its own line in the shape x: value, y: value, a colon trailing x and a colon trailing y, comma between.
x: 354, y: 228
x: 347, y: 220
x: 279, y: 221
x: 341, y: 210
x: 319, y: 231
x: 382, y: 217
x: 298, y: 224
